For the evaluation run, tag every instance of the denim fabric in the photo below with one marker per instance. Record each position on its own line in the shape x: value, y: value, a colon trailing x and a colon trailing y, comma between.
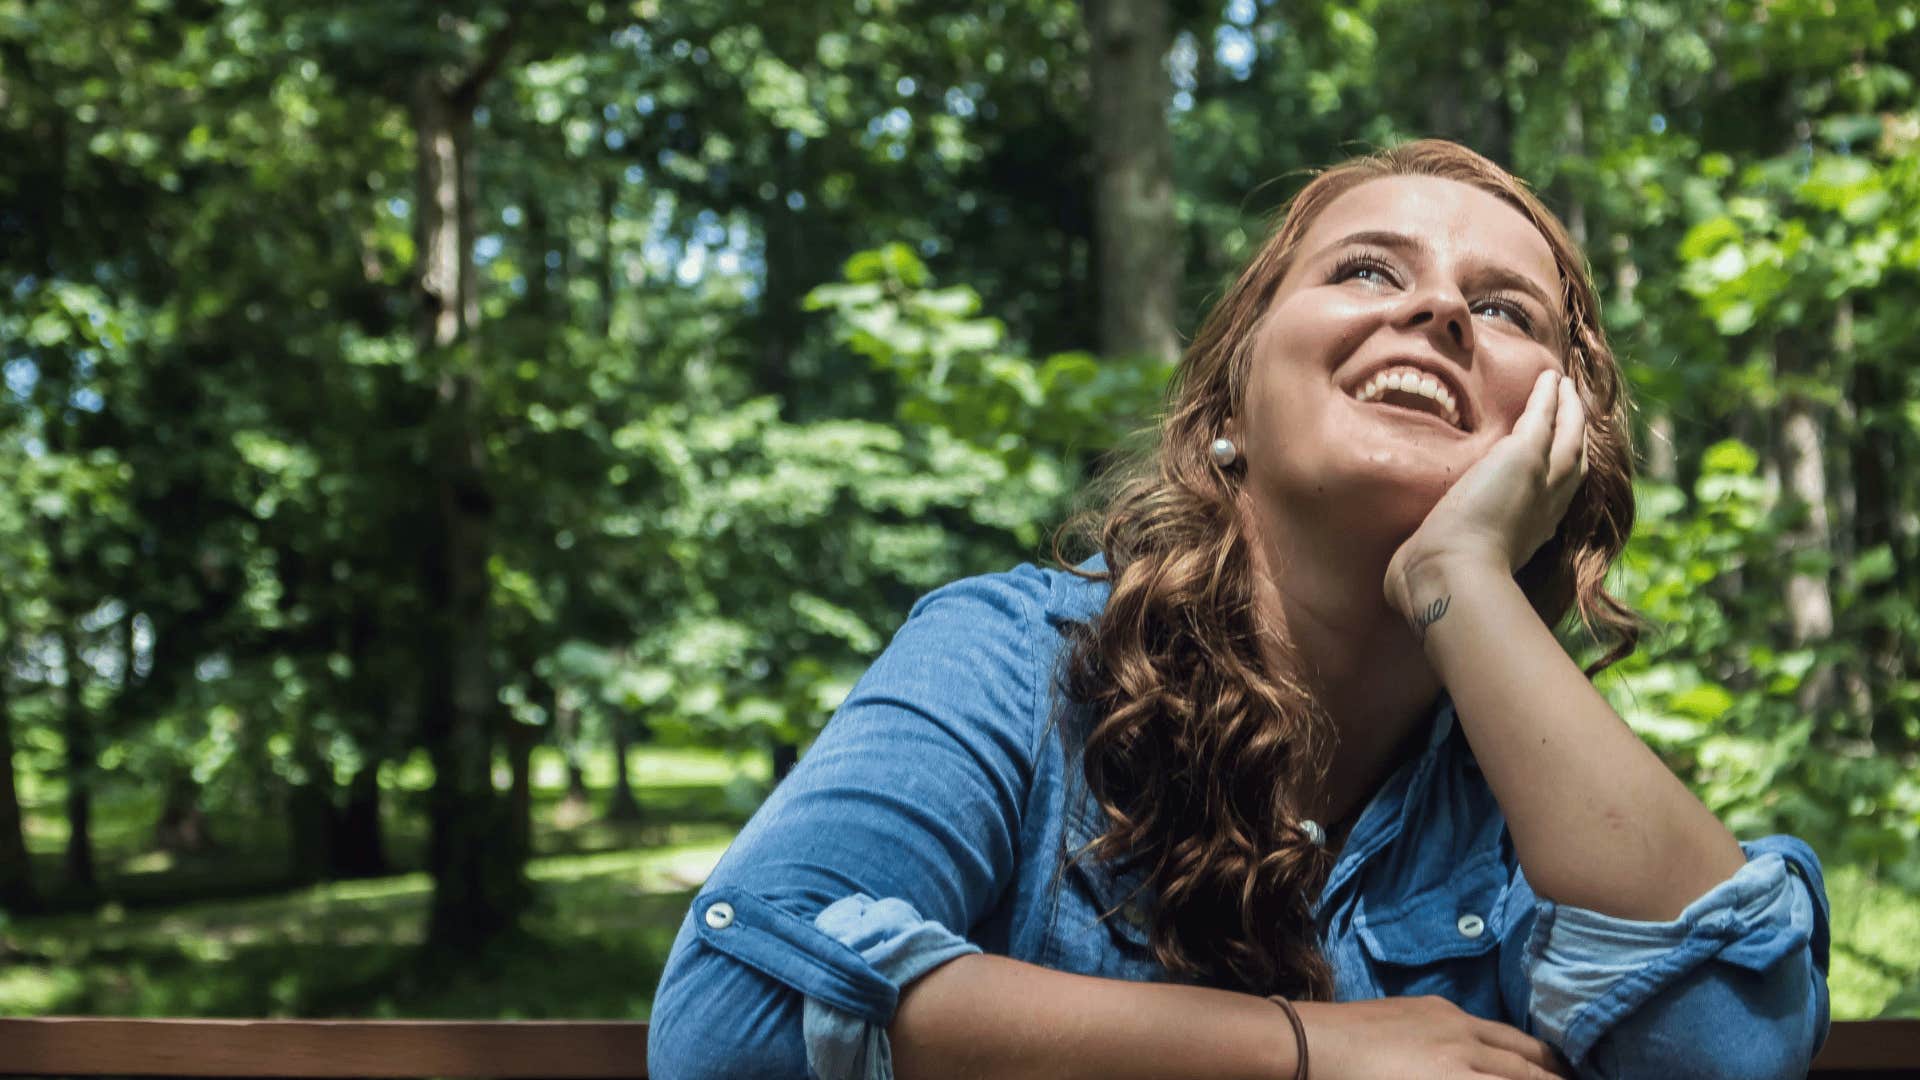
x: 934, y: 816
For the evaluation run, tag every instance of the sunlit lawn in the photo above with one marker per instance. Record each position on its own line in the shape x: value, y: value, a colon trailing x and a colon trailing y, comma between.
x: 610, y: 899
x: 594, y: 949
x: 610, y: 896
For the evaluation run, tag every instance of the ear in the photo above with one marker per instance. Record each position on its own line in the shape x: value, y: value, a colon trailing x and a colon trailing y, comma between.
x: 1231, y: 430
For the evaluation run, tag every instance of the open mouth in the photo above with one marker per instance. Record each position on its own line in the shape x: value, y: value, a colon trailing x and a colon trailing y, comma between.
x: 1408, y: 387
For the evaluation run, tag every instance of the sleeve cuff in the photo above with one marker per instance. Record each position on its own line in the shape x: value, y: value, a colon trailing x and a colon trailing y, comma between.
x: 897, y: 943
x: 1590, y: 971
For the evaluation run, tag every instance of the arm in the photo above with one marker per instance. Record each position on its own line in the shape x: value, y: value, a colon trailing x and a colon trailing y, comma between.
x: 1657, y: 947
x: 991, y: 1016
x: 1597, y: 820
x: 994, y: 1016
x: 831, y: 935
x: 1734, y: 987
x: 829, y: 940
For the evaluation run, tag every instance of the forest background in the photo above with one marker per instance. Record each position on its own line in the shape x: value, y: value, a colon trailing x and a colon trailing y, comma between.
x: 457, y: 455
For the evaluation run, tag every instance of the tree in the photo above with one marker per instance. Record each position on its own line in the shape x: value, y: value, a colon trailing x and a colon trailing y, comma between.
x: 1136, y: 234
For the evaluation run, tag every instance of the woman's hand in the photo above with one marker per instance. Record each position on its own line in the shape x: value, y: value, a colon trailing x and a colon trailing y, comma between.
x: 1429, y: 1038
x: 1508, y: 504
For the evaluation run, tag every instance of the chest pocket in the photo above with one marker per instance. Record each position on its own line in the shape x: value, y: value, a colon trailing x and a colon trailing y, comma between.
x: 1078, y: 939
x: 1442, y: 938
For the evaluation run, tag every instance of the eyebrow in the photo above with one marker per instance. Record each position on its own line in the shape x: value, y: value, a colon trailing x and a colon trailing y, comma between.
x: 1499, y: 275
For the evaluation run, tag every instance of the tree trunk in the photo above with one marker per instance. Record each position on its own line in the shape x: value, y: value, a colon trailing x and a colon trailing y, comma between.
x: 357, y: 848
x: 785, y: 757
x: 520, y: 741
x: 608, y: 267
x: 182, y: 827
x: 17, y: 894
x: 1136, y: 234
x: 1801, y: 459
x: 540, y: 241
x: 479, y: 884
x: 564, y: 721
x: 1494, y: 120
x: 78, y: 733
x: 1662, y: 458
x: 1875, y: 459
x: 310, y: 828
x: 621, y: 805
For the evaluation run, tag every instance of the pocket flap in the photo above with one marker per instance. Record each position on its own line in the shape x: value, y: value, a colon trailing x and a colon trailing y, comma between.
x: 1119, y: 897
x: 1445, y: 922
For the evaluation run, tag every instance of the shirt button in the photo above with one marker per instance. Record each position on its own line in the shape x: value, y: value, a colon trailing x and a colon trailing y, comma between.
x: 720, y: 915
x: 1471, y: 926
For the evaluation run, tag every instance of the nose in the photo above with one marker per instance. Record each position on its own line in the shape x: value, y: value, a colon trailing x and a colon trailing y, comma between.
x: 1442, y: 314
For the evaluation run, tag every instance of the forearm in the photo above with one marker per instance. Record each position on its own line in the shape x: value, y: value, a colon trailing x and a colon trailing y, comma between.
x: 985, y: 1015
x: 1597, y: 820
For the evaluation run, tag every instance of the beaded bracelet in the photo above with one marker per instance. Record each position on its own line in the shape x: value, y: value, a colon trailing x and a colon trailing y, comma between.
x: 1299, y: 1034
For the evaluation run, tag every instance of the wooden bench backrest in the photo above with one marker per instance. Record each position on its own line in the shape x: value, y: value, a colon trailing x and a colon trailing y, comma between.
x: 88, y: 1046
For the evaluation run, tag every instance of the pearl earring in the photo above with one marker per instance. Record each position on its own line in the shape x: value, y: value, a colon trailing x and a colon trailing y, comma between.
x: 1224, y: 452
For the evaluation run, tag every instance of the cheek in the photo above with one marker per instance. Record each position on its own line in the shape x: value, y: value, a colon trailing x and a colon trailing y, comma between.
x: 1509, y: 389
x: 1281, y: 407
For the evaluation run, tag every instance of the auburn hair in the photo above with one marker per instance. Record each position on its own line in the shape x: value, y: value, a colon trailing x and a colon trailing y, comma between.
x: 1194, y: 747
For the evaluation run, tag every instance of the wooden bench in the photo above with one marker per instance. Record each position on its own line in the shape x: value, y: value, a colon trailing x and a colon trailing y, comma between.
x: 89, y: 1046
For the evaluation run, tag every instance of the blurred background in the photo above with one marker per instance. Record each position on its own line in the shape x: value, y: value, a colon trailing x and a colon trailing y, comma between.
x: 457, y: 455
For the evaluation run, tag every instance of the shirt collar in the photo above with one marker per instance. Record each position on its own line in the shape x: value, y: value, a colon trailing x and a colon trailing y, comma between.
x: 1385, y: 817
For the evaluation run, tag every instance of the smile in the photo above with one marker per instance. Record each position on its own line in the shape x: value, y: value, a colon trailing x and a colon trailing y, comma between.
x: 1408, y: 387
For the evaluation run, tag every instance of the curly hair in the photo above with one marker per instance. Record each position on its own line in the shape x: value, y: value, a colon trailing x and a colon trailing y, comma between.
x: 1194, y: 746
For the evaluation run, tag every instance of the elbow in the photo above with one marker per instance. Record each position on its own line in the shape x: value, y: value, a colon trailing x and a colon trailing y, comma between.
x: 1735, y: 1025
x: 714, y: 1018
x: 679, y: 1044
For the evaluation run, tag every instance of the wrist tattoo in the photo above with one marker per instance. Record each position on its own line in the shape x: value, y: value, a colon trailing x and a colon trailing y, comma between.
x: 1429, y: 615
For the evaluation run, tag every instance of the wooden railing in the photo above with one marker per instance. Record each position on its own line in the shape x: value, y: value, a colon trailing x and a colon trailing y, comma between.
x: 88, y: 1046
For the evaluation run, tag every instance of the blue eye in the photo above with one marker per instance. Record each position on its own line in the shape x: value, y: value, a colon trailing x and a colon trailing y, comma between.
x: 1510, y: 309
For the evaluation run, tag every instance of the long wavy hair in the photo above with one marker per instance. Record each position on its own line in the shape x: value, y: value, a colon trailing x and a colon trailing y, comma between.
x: 1194, y: 745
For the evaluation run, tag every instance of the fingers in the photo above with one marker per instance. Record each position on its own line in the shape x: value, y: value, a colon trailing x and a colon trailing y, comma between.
x: 1507, y: 1066
x: 1536, y: 422
x: 1536, y: 1059
x: 1567, y: 458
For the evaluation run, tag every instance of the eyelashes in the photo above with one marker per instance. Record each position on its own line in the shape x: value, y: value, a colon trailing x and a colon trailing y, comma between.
x: 1352, y: 263
x: 1510, y: 306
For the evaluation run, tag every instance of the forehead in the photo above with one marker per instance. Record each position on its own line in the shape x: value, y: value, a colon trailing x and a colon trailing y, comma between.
x: 1458, y: 222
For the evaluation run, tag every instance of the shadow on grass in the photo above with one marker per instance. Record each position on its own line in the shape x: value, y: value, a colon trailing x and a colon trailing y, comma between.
x: 593, y: 949
x: 251, y: 860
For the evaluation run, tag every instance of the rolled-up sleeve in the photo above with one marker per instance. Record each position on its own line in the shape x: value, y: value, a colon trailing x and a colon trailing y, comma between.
x: 894, y: 835
x: 1733, y: 987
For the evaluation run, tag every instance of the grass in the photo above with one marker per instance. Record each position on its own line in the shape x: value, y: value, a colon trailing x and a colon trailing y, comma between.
x: 593, y: 949
x: 610, y: 898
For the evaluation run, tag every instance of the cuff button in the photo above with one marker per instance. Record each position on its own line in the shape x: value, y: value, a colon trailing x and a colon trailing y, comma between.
x: 720, y: 915
x: 1471, y: 926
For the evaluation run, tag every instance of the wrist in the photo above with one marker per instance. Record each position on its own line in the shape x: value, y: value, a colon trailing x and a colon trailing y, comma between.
x: 1291, y: 1061
x: 1417, y: 578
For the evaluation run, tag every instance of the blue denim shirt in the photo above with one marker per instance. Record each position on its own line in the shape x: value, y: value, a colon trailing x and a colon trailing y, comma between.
x: 932, y: 818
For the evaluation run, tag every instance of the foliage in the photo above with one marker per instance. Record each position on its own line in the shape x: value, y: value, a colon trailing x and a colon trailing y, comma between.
x: 783, y: 318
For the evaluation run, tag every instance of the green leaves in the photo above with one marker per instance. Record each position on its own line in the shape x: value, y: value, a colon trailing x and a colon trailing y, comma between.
x: 958, y: 374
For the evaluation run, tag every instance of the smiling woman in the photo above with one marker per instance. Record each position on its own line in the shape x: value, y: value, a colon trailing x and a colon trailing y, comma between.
x: 1293, y: 764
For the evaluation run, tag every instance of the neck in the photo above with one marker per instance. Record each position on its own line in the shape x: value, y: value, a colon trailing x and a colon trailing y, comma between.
x: 1323, y: 596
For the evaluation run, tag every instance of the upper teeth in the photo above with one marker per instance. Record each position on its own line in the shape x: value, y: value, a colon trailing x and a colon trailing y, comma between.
x: 1411, y: 381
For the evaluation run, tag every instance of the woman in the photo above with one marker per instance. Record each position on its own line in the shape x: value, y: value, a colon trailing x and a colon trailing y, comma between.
x: 1301, y: 729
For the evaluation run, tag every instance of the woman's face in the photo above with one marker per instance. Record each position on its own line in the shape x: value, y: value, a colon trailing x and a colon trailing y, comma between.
x: 1401, y: 345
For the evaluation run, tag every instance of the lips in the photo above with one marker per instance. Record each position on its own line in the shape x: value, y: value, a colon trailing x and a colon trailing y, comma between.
x: 1416, y: 385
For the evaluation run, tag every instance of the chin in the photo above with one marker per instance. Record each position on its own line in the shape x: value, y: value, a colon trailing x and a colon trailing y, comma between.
x: 1380, y: 497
